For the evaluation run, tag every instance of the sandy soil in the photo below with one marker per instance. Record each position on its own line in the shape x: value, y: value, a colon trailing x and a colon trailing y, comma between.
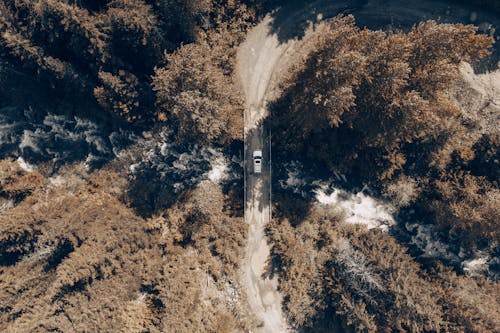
x: 479, y: 97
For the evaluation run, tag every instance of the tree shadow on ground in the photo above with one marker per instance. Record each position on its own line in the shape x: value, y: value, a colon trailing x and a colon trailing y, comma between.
x: 326, y: 322
x: 233, y: 187
x: 291, y: 18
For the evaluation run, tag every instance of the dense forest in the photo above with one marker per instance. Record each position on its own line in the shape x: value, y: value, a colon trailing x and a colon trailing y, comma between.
x: 108, y: 249
x: 380, y: 107
x: 76, y: 259
x: 383, y: 109
x: 112, y: 56
x: 151, y: 238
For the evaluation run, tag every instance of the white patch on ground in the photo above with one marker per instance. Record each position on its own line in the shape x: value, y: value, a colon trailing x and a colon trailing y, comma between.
x: 477, y: 266
x: 133, y: 167
x: 57, y: 181
x: 164, y: 149
x: 479, y: 97
x: 359, y: 208
x: 294, y: 182
x: 219, y: 170
x: 29, y: 141
x: 24, y: 165
x: 487, y: 84
x: 6, y: 205
x: 39, y: 254
x: 141, y: 298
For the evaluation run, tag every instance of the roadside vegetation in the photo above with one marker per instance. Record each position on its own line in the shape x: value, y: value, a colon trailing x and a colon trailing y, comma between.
x: 380, y: 107
x: 332, y: 271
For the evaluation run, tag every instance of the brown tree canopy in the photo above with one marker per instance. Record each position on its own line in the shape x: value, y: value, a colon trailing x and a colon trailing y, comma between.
x: 193, y: 91
x: 73, y: 258
x: 381, y: 107
x: 103, y: 51
x: 378, y: 90
x: 369, y: 281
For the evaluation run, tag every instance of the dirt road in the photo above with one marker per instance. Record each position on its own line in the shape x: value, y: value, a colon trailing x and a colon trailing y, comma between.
x: 262, y: 61
x: 257, y: 59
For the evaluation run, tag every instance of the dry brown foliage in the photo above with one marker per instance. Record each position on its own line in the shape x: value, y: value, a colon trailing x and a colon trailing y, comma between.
x: 196, y: 89
x: 469, y: 206
x: 382, y: 107
x: 73, y: 258
x: 370, y: 281
x: 370, y: 96
x: 16, y: 183
x: 105, y: 53
x: 209, y: 244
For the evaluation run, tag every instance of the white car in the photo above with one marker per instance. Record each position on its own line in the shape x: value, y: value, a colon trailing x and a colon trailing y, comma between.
x: 257, y: 161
